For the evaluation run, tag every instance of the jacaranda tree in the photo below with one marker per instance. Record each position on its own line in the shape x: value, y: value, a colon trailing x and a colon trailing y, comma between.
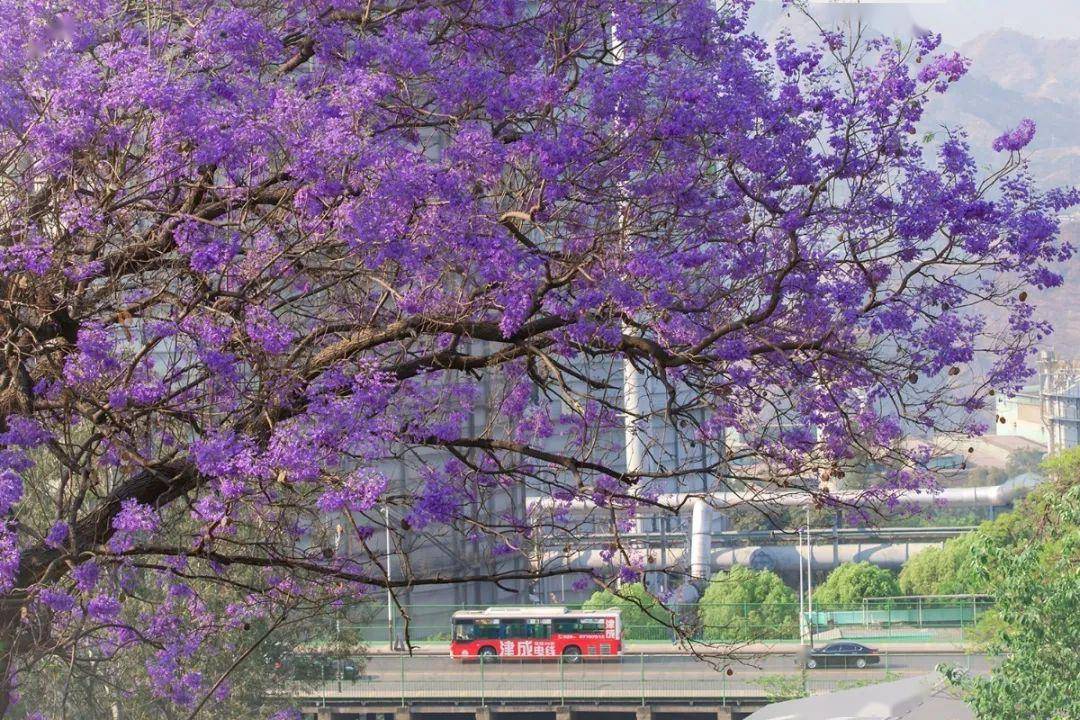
x: 254, y: 253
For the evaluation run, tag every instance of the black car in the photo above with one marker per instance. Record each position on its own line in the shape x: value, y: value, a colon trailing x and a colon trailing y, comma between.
x: 302, y: 666
x: 842, y: 654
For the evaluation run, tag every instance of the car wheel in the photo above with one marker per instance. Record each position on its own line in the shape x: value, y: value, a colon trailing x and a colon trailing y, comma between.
x: 811, y: 664
x: 572, y: 654
x: 860, y: 663
x: 487, y: 654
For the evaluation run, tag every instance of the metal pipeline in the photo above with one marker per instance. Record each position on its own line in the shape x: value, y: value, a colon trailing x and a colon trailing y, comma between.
x: 782, y: 558
x: 982, y: 496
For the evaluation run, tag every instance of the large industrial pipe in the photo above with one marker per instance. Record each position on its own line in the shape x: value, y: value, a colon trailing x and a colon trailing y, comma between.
x: 701, y: 541
x: 983, y: 496
x: 784, y: 555
x: 781, y: 558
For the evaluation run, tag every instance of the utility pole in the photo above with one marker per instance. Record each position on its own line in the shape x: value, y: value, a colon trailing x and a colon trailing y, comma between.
x: 802, y: 605
x: 809, y: 580
x: 389, y: 573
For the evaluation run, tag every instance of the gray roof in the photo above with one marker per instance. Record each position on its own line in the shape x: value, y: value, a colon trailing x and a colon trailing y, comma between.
x: 926, y: 697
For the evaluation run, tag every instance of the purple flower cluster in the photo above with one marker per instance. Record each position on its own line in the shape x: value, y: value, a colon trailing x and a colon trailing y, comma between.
x: 360, y: 491
x: 268, y: 332
x: 95, y: 358
x: 1017, y: 138
x: 24, y: 432
x: 134, y: 521
x: 11, y: 490
x: 9, y: 558
x: 103, y: 609
x: 58, y: 534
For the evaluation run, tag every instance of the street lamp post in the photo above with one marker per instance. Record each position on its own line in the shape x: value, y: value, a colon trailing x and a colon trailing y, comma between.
x: 809, y: 580
x: 389, y: 571
x: 802, y: 605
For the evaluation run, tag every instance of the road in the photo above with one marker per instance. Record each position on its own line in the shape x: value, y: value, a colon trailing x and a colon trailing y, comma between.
x: 389, y: 677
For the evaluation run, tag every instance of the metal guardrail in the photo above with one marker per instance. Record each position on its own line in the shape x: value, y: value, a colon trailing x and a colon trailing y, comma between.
x: 636, y: 677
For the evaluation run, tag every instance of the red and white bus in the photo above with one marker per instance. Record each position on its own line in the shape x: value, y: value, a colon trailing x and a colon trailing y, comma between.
x: 540, y: 632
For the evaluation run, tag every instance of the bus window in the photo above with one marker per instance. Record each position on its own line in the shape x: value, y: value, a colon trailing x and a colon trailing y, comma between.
x: 591, y: 626
x: 580, y: 626
x: 464, y: 630
x: 515, y: 629
x: 486, y: 630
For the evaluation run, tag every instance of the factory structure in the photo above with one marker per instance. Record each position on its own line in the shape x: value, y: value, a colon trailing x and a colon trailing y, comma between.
x: 1048, y: 410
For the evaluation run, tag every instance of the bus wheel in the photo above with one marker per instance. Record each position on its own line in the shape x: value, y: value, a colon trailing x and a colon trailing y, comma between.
x: 572, y: 653
x: 487, y: 654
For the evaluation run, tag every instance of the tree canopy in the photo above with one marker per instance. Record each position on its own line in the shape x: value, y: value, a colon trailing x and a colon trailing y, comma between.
x: 280, y: 278
x: 1035, y: 573
x: 744, y: 605
x: 644, y: 617
x: 948, y: 570
x: 849, y: 583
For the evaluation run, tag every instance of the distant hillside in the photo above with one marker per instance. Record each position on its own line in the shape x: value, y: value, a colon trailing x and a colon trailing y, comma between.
x: 1038, y: 67
x: 1015, y: 76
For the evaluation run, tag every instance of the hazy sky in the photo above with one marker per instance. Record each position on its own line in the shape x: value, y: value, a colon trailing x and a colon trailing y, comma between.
x: 961, y: 20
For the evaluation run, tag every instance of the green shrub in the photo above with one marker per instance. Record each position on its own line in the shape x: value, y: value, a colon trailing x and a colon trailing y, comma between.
x: 743, y: 605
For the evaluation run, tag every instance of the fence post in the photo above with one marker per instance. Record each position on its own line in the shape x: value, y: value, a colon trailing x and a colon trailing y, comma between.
x: 402, y: 680
x: 562, y: 682
x: 483, y: 693
x: 642, y: 664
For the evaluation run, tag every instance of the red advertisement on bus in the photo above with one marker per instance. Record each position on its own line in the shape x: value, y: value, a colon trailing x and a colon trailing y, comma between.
x: 536, y: 633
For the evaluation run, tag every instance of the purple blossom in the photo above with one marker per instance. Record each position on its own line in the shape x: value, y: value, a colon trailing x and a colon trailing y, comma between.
x: 86, y: 576
x: 209, y: 248
x: 9, y: 558
x: 359, y: 492
x: 943, y: 69
x: 33, y: 256
x: 223, y: 455
x: 1017, y: 138
x: 268, y: 332
x: 134, y: 521
x: 95, y: 357
x: 57, y: 600
x: 103, y: 609
x: 58, y: 534
x: 24, y: 432
x: 11, y: 490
